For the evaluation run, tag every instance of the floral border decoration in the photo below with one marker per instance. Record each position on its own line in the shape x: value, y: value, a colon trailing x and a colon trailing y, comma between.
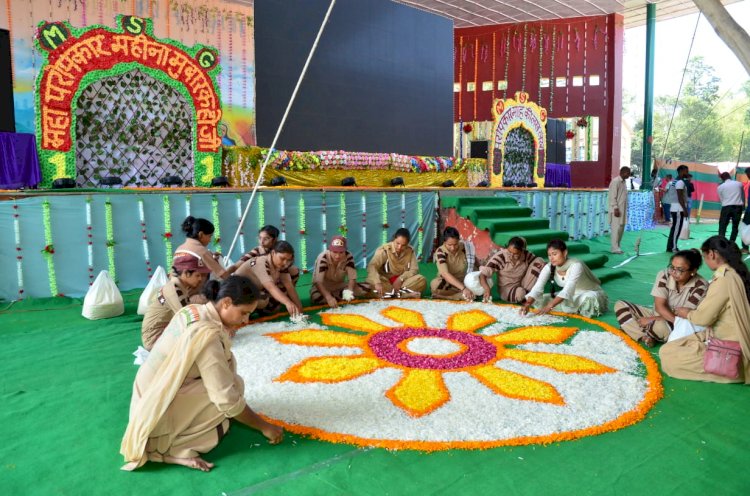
x: 73, y: 58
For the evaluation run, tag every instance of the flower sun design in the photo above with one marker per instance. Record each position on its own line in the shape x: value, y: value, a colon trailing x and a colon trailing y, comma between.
x: 421, y: 389
x: 434, y: 375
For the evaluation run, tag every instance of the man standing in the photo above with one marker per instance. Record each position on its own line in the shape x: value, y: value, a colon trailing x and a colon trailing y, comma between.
x: 732, y: 197
x: 618, y: 209
x: 746, y: 218
x: 677, y: 209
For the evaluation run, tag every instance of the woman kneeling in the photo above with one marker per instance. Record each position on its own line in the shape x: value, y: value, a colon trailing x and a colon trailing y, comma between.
x: 188, y: 388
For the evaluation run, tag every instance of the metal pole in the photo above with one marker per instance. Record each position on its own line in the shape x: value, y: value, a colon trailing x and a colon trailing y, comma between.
x: 648, y: 104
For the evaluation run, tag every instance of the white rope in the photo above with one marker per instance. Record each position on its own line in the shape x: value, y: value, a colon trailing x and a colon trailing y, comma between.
x: 281, y: 126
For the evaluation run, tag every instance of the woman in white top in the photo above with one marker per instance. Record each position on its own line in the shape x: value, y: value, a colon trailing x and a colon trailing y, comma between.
x: 581, y: 291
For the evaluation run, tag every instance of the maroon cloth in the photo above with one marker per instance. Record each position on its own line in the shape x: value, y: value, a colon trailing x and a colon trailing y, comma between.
x: 19, y: 163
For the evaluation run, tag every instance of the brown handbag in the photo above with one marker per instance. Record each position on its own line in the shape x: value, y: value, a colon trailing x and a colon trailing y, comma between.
x: 722, y: 357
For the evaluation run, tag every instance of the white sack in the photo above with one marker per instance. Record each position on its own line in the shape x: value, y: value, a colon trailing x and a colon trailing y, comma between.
x: 158, y: 280
x: 103, y: 299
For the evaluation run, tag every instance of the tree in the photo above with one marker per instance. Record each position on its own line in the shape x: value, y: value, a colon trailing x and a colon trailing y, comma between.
x: 731, y: 33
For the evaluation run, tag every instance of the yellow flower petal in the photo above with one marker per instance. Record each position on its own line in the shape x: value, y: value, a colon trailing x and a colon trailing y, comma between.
x: 558, y: 361
x: 537, y: 334
x: 351, y: 321
x: 419, y: 392
x: 513, y: 385
x: 316, y: 337
x: 331, y: 369
x: 469, y: 321
x: 409, y: 318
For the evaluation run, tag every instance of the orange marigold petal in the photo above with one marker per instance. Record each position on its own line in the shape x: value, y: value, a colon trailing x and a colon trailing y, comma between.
x: 513, y: 385
x: 331, y: 369
x: 419, y: 392
x: 317, y: 337
x: 558, y: 361
x: 351, y: 321
x: 409, y: 318
x: 536, y: 334
x: 469, y: 321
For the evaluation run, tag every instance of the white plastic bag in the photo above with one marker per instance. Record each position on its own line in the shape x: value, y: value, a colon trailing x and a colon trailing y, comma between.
x: 158, y: 280
x: 471, y: 281
x: 103, y: 299
x: 685, y: 232
x: 745, y: 233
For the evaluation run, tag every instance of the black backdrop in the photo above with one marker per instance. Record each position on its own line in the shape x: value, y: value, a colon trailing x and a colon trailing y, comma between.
x: 7, y: 117
x: 381, y: 79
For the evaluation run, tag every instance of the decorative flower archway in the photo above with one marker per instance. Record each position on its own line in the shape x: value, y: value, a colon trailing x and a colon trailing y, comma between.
x: 511, y: 114
x: 74, y: 58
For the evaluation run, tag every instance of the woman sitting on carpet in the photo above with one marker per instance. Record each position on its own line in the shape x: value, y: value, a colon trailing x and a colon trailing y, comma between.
x: 517, y: 271
x: 189, y: 274
x: 199, y: 233
x: 393, y: 272
x: 188, y: 389
x: 581, y: 291
x: 454, y: 258
x: 269, y: 273
x: 335, y: 276
x: 267, y: 237
x: 679, y: 285
x: 725, y: 309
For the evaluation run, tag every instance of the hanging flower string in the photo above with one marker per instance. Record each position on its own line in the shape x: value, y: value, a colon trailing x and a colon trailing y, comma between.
x: 476, y: 76
x: 282, y: 208
x: 261, y: 211
x: 460, y: 75
x: 324, y: 220
x: 215, y: 220
x: 585, y: 72
x: 525, y: 54
x: 363, y: 206
x: 303, y: 234
x: 420, y: 229
x: 507, y: 61
x: 384, y: 218
x: 19, y: 251
x: 494, y: 63
x: 89, y: 241
x: 188, y: 210
x: 552, y: 71
x: 588, y: 138
x: 403, y: 210
x: 110, y: 239
x: 167, y: 231
x: 49, y: 248
x: 244, y: 62
x: 238, y: 205
x: 541, y: 59
x: 342, y: 212
x: 144, y: 236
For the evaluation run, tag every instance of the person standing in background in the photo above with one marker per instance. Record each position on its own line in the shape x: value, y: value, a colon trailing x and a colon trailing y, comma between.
x: 677, y: 207
x: 663, y: 187
x: 732, y: 197
x: 618, y: 209
x: 746, y: 218
x: 690, y: 189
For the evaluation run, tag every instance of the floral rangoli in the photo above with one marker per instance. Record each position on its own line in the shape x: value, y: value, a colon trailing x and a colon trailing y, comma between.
x: 434, y: 375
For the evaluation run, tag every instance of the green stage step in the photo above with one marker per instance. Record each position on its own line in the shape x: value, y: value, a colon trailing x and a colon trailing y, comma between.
x: 592, y: 260
x: 477, y: 201
x: 475, y: 214
x: 532, y: 236
x: 514, y: 225
x: 574, y: 248
x: 606, y: 274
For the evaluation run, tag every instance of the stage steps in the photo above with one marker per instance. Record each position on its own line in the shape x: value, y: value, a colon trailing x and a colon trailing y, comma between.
x: 502, y: 218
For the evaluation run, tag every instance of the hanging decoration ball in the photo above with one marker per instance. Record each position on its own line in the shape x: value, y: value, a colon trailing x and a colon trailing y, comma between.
x: 582, y: 122
x: 468, y: 128
x: 569, y: 134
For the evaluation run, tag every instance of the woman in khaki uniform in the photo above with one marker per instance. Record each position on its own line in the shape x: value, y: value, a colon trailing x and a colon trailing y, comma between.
x: 677, y: 286
x: 188, y: 388
x: 189, y: 274
x: 267, y: 237
x: 269, y: 273
x: 199, y: 233
x: 334, y: 272
x: 726, y: 309
x: 517, y: 271
x: 452, y: 260
x: 393, y: 271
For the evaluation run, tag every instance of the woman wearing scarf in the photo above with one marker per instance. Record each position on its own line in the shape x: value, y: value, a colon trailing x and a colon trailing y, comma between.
x: 189, y: 274
x: 188, y: 388
x: 517, y: 271
x: 581, y: 291
x: 679, y: 285
x: 725, y: 309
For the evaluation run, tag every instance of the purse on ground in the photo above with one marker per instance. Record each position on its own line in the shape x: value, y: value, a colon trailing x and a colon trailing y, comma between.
x: 723, y: 358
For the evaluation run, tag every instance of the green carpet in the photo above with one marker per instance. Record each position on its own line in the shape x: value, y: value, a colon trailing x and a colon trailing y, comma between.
x: 66, y: 390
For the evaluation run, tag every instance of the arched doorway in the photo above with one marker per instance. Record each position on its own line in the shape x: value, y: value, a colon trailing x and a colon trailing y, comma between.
x: 135, y: 127
x: 518, y: 160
